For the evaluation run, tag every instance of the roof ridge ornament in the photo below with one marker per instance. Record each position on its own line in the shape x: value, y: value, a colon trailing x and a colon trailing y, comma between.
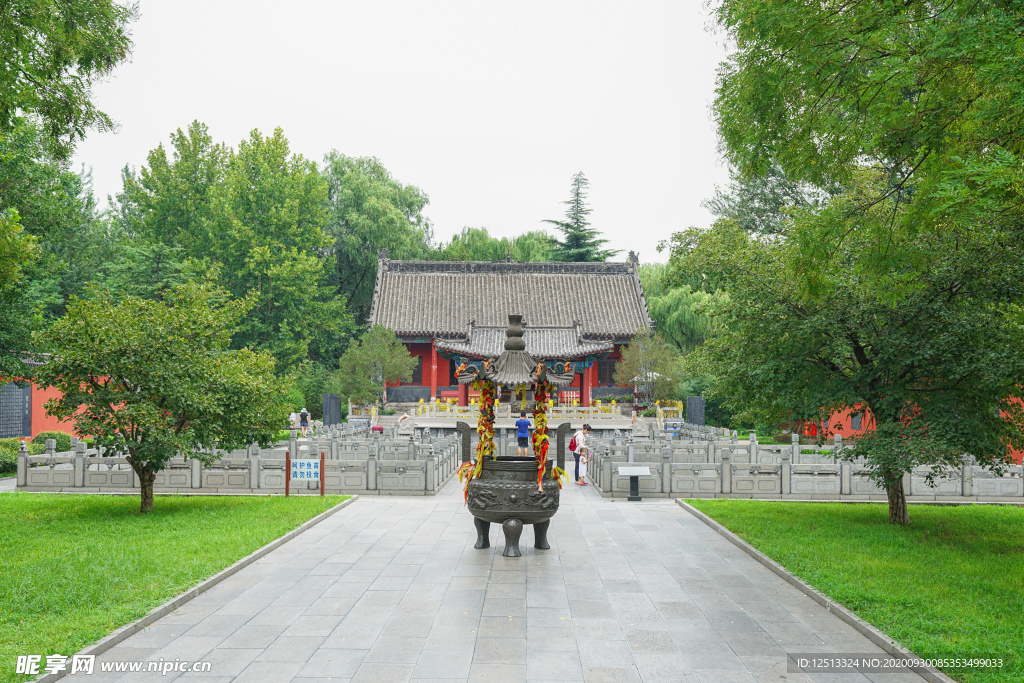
x: 382, y: 254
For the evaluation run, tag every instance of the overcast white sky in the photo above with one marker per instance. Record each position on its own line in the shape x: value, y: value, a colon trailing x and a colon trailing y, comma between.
x: 488, y: 107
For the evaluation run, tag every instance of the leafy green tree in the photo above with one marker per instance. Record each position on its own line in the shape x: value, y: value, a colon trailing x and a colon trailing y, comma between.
x: 929, y: 96
x: 934, y: 366
x: 156, y: 379
x: 902, y: 293
x: 17, y: 250
x: 369, y: 365
x: 52, y: 52
x: 272, y: 248
x: 56, y: 207
x: 368, y: 210
x: 581, y: 242
x: 171, y: 201
x: 148, y: 270
x: 650, y: 365
x: 679, y: 311
x: 312, y: 380
x: 476, y: 244
x: 759, y: 203
x: 253, y: 219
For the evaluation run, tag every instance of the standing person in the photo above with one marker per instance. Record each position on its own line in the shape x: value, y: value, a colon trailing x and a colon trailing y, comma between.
x: 577, y: 444
x: 304, y: 421
x: 584, y: 459
x: 523, y: 433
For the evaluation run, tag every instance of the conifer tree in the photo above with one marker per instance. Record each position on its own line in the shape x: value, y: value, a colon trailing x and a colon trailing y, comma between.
x: 581, y: 242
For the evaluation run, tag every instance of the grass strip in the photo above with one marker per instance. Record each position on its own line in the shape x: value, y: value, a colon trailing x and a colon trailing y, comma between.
x: 76, y: 567
x: 950, y: 584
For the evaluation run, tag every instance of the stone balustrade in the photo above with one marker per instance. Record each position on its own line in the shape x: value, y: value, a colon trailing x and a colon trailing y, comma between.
x: 725, y: 467
x: 355, y: 462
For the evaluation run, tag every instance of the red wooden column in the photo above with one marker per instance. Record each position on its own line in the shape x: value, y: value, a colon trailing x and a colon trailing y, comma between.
x: 433, y: 370
x: 585, y: 381
x: 463, y: 394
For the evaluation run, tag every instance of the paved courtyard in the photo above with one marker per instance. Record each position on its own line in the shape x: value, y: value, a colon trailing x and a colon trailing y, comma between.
x: 391, y: 589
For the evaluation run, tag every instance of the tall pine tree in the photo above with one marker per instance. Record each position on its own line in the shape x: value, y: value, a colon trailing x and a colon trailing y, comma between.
x: 581, y: 242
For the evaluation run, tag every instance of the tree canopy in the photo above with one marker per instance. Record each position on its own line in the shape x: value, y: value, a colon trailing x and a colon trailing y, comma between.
x: 379, y: 358
x: 476, y: 244
x: 581, y: 242
x: 939, y: 362
x: 929, y: 96
x: 17, y: 250
x: 759, y: 203
x: 650, y: 365
x: 255, y: 217
x: 901, y: 292
x: 680, y: 311
x: 368, y: 210
x: 52, y: 52
x: 152, y: 379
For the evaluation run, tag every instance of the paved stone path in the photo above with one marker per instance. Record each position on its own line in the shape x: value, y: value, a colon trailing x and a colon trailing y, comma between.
x: 391, y: 589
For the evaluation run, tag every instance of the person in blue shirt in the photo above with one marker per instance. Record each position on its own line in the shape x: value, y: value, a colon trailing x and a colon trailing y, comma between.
x: 523, y: 432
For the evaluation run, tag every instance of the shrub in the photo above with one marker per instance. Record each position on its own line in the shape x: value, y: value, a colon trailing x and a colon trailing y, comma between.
x: 608, y: 398
x: 63, y: 440
x: 9, y: 454
x: 8, y: 462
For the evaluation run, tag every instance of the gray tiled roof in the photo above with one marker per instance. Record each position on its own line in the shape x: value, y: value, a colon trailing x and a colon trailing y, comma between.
x: 442, y: 298
x: 541, y: 343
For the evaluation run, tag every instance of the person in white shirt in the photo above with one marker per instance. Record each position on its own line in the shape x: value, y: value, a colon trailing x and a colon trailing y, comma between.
x: 580, y: 444
x: 584, y: 459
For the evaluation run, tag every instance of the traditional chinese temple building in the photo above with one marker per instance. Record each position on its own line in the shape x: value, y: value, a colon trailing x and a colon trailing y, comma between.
x: 452, y: 313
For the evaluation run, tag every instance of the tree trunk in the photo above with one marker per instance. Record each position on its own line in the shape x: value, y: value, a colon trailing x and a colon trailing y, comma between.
x: 897, y: 503
x: 146, y: 478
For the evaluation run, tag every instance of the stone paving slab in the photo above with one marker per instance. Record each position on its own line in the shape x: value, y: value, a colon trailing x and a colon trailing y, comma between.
x: 391, y: 589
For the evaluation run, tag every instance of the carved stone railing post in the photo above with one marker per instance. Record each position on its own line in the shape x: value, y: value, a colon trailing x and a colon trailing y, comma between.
x: 22, y: 464
x: 561, y: 443
x: 431, y: 473
x: 666, y: 469
x: 254, y: 470
x: 79, y: 449
x: 786, y: 473
x: 466, y: 437
x: 966, y: 481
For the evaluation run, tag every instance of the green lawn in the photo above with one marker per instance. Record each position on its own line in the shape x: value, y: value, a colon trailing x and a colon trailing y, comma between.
x: 949, y: 585
x: 76, y: 567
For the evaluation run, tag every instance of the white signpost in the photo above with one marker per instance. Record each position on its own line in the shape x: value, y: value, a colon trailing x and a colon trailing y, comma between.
x: 308, y: 469
x: 303, y: 469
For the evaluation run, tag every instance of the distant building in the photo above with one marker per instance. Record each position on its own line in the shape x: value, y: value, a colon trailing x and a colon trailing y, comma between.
x: 450, y: 312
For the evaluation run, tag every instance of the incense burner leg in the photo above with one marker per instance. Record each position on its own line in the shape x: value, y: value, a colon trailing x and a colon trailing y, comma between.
x: 512, y: 528
x: 483, y: 533
x: 540, y: 535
